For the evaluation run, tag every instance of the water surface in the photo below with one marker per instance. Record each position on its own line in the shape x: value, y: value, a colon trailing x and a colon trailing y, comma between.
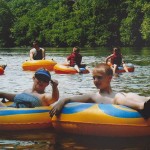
x: 15, y: 80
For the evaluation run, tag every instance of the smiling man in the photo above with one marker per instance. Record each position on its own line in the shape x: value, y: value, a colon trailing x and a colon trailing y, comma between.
x: 36, y: 96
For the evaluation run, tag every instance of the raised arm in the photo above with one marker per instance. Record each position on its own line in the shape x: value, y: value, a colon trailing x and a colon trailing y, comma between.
x: 43, y: 54
x: 50, y: 98
x: 55, y: 91
x: 8, y: 96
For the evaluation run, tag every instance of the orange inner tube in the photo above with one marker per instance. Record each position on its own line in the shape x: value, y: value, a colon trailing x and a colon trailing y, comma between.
x: 66, y: 69
x: 130, y: 68
x: 37, y: 64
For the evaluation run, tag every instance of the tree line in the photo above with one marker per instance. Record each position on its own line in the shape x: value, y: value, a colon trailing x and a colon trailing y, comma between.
x: 65, y: 23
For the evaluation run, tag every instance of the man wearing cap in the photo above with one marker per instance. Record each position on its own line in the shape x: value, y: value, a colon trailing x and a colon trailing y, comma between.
x: 36, y: 96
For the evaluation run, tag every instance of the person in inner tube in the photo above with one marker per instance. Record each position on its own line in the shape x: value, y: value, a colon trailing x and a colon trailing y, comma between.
x: 116, y: 60
x: 37, y: 53
x: 75, y: 59
x: 102, y: 76
x: 36, y: 95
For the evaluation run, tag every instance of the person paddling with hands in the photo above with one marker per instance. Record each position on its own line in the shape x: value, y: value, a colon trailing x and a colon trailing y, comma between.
x: 36, y: 96
x: 102, y: 76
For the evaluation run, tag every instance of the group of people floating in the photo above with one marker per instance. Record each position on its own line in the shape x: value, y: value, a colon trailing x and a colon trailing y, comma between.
x: 102, y: 75
x: 74, y: 59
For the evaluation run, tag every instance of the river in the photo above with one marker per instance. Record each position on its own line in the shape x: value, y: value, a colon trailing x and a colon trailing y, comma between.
x: 15, y: 80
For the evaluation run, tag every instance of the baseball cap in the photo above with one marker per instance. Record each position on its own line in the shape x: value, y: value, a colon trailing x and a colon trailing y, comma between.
x: 43, y: 75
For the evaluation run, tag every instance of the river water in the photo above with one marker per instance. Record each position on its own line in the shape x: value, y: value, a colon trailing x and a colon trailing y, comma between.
x: 15, y: 80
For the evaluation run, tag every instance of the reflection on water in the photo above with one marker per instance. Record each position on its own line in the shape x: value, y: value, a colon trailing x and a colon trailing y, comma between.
x: 15, y: 80
x: 50, y: 140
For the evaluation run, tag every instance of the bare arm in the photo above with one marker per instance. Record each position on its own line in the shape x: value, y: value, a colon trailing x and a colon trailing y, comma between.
x: 108, y: 58
x: 66, y: 61
x: 55, y: 91
x: 8, y: 96
x: 131, y: 100
x: 51, y: 98
x: 31, y: 55
x: 43, y: 54
x: 57, y: 107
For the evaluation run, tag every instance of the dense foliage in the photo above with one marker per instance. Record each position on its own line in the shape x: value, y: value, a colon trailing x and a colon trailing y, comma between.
x: 63, y: 23
x: 6, y: 20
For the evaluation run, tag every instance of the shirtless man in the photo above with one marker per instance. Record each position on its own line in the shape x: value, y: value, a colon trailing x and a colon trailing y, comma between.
x: 102, y: 75
x: 36, y: 95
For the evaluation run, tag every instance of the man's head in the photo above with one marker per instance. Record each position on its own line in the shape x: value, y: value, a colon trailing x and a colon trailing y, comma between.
x: 103, y: 68
x: 43, y: 75
x: 116, y: 50
x: 35, y: 43
x: 76, y: 49
x: 102, y: 75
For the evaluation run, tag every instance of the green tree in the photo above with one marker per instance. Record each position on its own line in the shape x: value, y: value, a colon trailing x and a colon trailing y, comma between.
x: 145, y: 26
x: 62, y: 23
x: 130, y: 26
x: 6, y: 20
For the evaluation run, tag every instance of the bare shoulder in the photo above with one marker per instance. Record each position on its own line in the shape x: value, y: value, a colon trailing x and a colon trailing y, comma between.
x: 32, y: 50
x: 109, y: 56
x: 42, y: 49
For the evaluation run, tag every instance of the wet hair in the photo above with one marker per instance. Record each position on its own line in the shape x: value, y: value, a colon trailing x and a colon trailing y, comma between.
x: 103, y: 68
x: 36, y: 42
x: 117, y: 50
x: 77, y: 48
